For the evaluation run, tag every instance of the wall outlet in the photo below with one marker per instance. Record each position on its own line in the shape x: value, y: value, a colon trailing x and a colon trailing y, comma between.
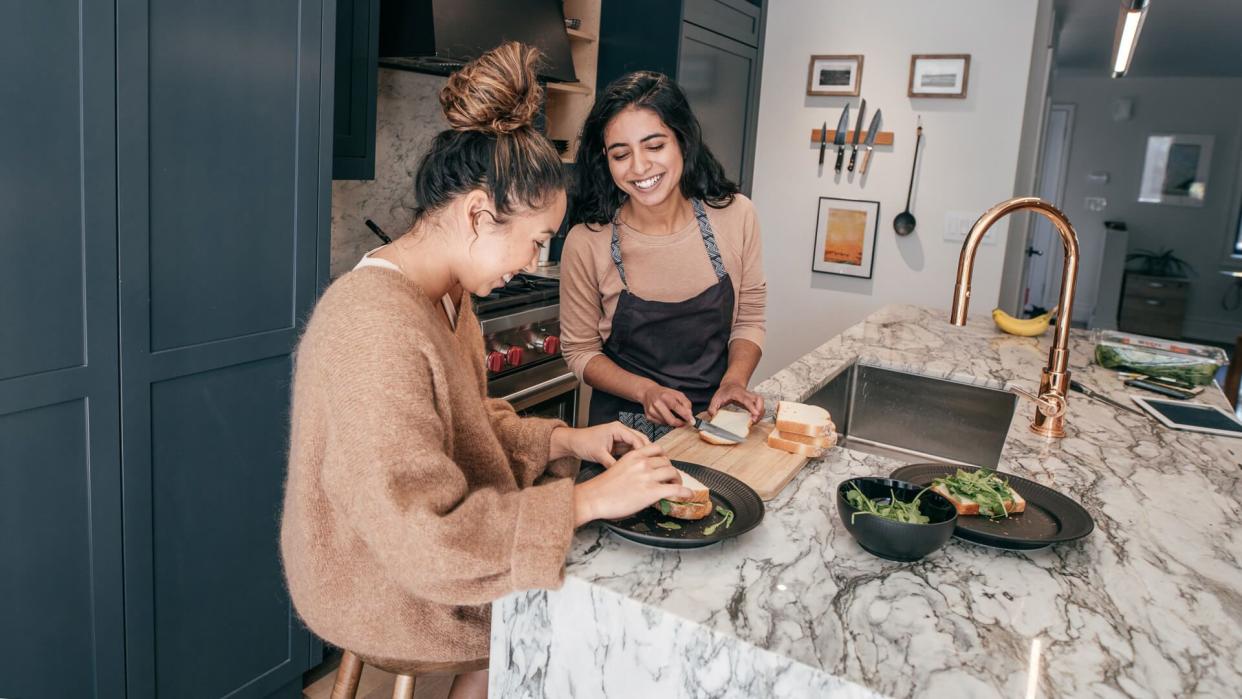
x: 957, y: 225
x: 1095, y: 203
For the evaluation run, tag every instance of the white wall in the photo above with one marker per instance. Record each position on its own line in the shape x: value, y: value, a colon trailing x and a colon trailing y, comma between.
x: 1200, y: 235
x: 968, y: 161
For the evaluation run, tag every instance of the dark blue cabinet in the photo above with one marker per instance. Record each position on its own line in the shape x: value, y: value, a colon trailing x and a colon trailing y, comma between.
x: 167, y: 233
x: 62, y: 629
x: 357, y: 56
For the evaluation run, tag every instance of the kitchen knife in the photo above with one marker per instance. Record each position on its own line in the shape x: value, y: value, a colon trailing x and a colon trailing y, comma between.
x: 872, y: 130
x: 1095, y: 395
x: 862, y: 112
x: 839, y: 139
x: 715, y: 431
x: 823, y: 142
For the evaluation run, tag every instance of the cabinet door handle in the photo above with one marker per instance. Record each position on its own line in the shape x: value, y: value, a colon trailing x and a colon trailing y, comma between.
x: 1153, y: 302
x: 1155, y: 285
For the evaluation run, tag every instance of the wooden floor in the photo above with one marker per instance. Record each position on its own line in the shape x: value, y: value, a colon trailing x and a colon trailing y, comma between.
x: 377, y: 684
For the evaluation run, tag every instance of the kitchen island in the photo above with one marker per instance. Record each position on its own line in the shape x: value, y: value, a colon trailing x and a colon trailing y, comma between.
x: 1149, y: 604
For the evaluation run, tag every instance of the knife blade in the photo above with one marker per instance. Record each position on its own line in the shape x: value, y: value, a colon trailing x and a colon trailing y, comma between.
x: 869, y: 143
x: 715, y: 431
x: 1096, y: 395
x: 862, y: 113
x: 839, y: 139
x: 823, y: 142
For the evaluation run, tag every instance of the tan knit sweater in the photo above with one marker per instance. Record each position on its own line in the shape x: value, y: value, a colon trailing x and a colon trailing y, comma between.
x: 659, y: 268
x: 413, y: 500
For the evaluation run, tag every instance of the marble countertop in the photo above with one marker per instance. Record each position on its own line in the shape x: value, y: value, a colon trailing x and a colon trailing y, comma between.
x: 1150, y: 604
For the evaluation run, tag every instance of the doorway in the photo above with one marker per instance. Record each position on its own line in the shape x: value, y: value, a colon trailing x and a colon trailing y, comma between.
x: 1043, y: 254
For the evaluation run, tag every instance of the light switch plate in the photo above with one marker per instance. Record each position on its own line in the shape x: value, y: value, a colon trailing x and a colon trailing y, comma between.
x: 957, y: 226
x: 1095, y: 203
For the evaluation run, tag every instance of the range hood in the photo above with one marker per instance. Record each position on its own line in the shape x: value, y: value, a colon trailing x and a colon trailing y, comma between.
x: 438, y: 36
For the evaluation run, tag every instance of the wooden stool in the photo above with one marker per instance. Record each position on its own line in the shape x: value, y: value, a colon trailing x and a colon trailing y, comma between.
x: 350, y: 672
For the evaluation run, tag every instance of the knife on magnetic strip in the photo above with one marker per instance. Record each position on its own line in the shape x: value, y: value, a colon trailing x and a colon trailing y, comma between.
x: 872, y: 131
x: 862, y: 113
x: 839, y: 139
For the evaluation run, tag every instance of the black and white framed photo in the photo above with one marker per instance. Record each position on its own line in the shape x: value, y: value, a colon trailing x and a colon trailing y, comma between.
x: 845, y: 231
x: 939, y: 75
x: 1176, y: 168
x: 834, y: 76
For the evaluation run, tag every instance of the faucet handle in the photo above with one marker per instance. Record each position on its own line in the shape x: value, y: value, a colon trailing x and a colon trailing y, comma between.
x: 1050, y: 404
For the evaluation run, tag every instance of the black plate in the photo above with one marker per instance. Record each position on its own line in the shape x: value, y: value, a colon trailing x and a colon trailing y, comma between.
x: 1049, y: 518
x: 727, y: 492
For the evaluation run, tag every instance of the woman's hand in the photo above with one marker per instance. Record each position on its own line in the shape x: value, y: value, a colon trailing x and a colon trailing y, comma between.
x: 641, y: 478
x: 731, y: 392
x: 601, y: 443
x: 667, y: 406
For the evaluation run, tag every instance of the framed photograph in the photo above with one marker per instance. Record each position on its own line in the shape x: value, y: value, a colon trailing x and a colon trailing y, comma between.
x: 845, y: 237
x: 939, y: 75
x: 1176, y: 169
x: 834, y: 76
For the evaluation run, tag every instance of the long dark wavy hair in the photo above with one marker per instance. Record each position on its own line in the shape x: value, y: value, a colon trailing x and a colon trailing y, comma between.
x: 596, y: 197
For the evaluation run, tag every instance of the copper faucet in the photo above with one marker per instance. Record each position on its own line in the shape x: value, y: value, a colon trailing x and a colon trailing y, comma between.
x: 1054, y: 385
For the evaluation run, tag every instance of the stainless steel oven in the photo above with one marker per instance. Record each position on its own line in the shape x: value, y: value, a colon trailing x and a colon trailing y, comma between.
x: 548, y: 390
x: 521, y: 336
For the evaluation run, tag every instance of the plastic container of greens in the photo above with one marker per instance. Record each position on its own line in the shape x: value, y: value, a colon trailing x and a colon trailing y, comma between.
x: 1193, y: 365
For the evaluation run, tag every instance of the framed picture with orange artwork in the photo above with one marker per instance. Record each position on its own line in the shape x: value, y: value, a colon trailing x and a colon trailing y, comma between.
x: 845, y: 232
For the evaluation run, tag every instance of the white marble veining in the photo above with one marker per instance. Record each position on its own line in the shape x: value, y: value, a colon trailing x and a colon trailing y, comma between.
x: 1149, y: 605
x: 407, y: 117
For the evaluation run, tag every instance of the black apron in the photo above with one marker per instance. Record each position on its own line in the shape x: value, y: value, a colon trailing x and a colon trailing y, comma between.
x: 683, y: 345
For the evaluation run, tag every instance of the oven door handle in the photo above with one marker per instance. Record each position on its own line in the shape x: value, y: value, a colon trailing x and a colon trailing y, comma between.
x: 531, y: 395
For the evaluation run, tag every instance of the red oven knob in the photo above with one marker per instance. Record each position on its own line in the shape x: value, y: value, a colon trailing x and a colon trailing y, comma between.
x: 513, y: 355
x: 547, y: 344
x: 495, y: 362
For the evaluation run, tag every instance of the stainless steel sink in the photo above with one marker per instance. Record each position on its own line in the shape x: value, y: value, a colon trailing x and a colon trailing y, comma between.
x: 911, y: 417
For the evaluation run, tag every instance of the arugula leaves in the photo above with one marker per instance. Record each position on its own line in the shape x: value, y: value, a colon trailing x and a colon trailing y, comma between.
x: 892, y: 508
x: 982, y: 486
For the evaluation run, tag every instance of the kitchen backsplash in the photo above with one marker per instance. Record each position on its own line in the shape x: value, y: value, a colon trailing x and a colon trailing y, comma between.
x: 408, y: 116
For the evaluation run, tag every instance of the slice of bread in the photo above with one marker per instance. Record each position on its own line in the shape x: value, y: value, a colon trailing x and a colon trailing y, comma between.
x: 697, y: 507
x: 786, y: 442
x: 803, y: 419
x: 967, y: 507
x: 823, y: 442
x: 732, y: 420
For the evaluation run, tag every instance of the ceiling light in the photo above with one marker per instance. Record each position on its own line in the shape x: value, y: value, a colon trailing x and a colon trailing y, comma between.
x: 1129, y: 24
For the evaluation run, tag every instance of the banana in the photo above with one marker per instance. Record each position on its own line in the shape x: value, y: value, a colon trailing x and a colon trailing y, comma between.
x: 1026, y: 327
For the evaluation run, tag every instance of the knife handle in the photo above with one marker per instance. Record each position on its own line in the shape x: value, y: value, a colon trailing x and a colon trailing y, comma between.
x: 853, y: 158
x: 866, y: 159
x: 822, y: 147
x: 840, y: 158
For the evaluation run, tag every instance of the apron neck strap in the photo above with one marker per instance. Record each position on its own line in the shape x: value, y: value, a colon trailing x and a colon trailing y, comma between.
x: 705, y: 231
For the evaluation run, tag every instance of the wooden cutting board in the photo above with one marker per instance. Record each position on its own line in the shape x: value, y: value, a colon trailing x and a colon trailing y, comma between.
x: 753, y: 462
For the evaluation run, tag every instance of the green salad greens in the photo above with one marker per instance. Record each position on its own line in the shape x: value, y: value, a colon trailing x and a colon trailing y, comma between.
x: 982, y: 486
x: 892, y: 508
x: 726, y: 518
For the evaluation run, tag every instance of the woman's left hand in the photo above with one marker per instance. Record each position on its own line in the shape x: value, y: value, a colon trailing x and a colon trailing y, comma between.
x: 601, y: 443
x: 736, y: 393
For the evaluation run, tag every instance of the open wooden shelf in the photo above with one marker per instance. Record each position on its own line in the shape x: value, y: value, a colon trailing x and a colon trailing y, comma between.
x: 576, y: 88
x: 581, y: 35
x: 883, y: 138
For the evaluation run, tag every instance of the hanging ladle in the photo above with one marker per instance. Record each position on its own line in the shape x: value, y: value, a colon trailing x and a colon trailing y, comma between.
x: 904, y: 223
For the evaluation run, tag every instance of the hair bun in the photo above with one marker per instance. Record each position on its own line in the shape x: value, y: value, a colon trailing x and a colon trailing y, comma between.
x: 496, y: 93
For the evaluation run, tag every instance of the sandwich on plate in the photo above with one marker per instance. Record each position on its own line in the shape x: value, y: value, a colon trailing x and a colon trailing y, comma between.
x: 697, y: 507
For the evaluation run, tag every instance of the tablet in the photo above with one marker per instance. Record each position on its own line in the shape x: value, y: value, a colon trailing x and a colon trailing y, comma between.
x: 1195, y: 417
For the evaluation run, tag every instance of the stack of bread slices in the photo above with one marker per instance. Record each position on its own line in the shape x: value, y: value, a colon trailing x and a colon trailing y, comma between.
x: 805, y: 430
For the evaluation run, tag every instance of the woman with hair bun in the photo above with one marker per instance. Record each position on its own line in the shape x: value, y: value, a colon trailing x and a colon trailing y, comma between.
x: 413, y: 500
x: 662, y: 287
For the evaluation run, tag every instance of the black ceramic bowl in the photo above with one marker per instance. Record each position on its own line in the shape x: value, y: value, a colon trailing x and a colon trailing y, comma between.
x: 886, y: 538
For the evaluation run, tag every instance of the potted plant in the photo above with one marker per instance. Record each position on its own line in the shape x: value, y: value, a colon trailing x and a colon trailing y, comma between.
x: 1159, y: 264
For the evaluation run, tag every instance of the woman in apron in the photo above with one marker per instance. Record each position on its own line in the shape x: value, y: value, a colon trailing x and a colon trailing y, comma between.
x: 662, y: 288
